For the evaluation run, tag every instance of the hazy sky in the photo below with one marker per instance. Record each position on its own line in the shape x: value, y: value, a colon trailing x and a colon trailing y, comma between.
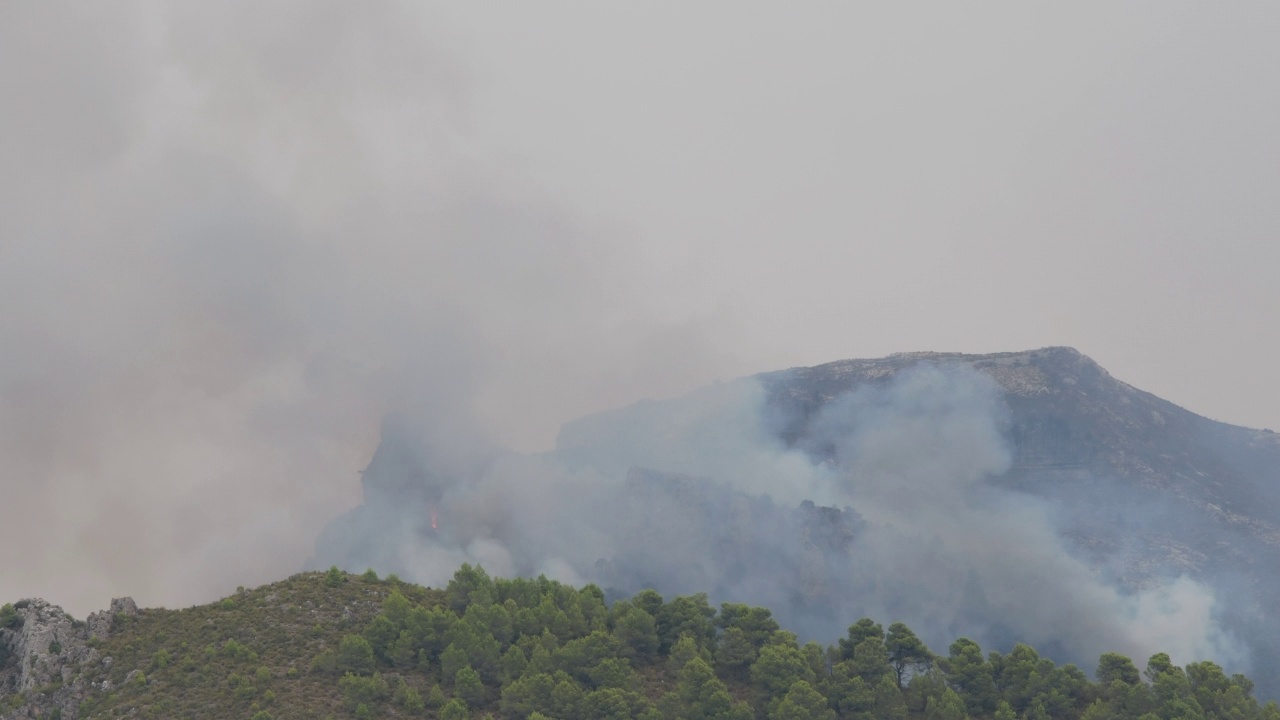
x: 233, y: 235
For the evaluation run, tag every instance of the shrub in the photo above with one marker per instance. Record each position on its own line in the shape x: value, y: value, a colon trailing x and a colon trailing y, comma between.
x: 412, y: 701
x: 9, y: 617
x: 358, y: 690
x: 334, y: 577
x: 370, y: 575
x: 325, y: 662
x: 355, y: 654
x: 237, y: 650
x: 159, y: 660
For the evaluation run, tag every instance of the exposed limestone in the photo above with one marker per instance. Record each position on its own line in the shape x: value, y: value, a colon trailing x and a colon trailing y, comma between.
x: 45, y: 656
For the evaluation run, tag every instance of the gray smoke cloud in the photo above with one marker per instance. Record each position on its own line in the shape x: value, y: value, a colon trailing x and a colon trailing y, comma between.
x: 233, y: 238
x: 701, y: 494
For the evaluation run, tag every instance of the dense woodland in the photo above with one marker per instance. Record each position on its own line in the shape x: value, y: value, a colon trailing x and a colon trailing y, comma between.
x: 338, y: 645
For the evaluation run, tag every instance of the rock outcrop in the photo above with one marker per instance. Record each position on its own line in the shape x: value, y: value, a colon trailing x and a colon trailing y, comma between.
x: 44, y: 656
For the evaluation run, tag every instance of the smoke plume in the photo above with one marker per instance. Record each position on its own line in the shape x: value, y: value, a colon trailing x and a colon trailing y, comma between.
x: 885, y: 510
x: 235, y: 237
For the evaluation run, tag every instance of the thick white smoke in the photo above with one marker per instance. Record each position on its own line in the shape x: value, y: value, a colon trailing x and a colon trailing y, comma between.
x: 933, y: 544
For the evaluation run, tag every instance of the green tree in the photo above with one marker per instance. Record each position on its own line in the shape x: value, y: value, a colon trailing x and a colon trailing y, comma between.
x: 528, y: 694
x: 686, y: 615
x: 849, y: 694
x: 579, y: 656
x: 357, y: 689
x: 455, y: 709
x: 491, y: 619
x: 802, y: 702
x: 452, y: 660
x: 735, y: 651
x: 355, y: 655
x: 613, y: 704
x: 907, y: 653
x: 435, y: 697
x: 683, y: 651
x: 756, y: 624
x: 468, y: 686
x: 9, y: 617
x: 612, y: 673
x: 381, y: 633
x: 467, y: 582
x: 778, y: 668
x: 1005, y: 712
x: 411, y: 700
x: 512, y: 665
x: 924, y: 690
x: 334, y: 577
x: 397, y: 608
x: 402, y: 652
x: 637, y: 631
x: 889, y: 703
x: 871, y: 660
x: 1158, y: 665
x: 649, y: 601
x: 566, y: 699
x: 702, y: 694
x: 947, y: 706
x: 1021, y: 676
x: 864, y: 629
x: 1113, y: 666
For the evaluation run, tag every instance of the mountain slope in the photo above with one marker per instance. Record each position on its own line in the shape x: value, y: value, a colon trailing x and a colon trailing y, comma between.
x: 341, y: 646
x: 1014, y: 497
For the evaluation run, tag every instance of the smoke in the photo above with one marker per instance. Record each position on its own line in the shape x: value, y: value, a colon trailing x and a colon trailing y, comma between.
x: 700, y: 494
x: 234, y: 239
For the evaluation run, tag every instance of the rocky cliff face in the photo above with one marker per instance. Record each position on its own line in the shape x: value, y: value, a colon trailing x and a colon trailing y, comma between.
x: 1142, y: 489
x: 44, y: 656
x: 1211, y: 491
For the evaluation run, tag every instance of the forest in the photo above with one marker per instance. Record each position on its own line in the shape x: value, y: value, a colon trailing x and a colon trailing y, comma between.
x: 535, y: 648
x: 338, y: 645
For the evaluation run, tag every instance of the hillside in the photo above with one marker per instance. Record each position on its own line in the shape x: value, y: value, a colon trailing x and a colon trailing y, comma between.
x: 1024, y: 497
x: 344, y: 646
x: 1140, y: 488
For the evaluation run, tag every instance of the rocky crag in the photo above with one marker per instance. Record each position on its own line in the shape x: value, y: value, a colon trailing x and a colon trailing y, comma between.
x: 45, y: 656
x: 1102, y: 449
x: 1142, y: 489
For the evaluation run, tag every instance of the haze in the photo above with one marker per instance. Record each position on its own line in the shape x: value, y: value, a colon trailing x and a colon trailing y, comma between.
x: 233, y: 237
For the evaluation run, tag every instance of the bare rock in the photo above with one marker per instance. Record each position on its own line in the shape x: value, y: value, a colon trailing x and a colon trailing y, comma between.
x: 100, y: 623
x: 47, y: 654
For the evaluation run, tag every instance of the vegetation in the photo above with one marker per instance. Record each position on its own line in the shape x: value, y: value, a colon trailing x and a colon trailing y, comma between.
x: 330, y: 645
x: 9, y: 618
